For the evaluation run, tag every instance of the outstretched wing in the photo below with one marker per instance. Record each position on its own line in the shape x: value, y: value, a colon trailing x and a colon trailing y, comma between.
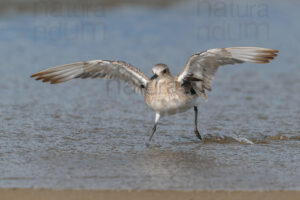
x: 117, y: 70
x: 200, y: 68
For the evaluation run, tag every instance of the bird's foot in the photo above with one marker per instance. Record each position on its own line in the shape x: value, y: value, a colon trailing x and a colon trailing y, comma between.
x: 197, y: 134
x: 148, y: 144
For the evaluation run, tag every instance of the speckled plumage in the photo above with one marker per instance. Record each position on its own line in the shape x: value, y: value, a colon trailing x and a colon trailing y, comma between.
x: 166, y: 96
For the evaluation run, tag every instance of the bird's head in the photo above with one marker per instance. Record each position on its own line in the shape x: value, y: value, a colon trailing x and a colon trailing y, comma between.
x: 160, y: 70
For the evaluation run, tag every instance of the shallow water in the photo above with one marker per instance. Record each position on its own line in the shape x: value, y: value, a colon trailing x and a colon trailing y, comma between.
x: 92, y: 133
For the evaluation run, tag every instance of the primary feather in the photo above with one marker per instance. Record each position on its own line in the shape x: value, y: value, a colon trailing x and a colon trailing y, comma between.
x: 117, y: 70
x: 202, y: 67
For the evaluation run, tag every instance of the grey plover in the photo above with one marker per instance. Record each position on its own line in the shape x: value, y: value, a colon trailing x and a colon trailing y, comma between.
x: 163, y: 93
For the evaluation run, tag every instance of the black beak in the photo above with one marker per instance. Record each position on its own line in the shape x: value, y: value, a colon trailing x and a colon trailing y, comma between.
x: 154, y: 77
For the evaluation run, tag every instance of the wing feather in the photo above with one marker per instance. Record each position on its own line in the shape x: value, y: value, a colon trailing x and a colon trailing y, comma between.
x: 117, y: 70
x: 201, y: 68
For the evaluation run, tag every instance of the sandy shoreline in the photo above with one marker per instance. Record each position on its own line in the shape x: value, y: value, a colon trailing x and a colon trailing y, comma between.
x: 50, y: 194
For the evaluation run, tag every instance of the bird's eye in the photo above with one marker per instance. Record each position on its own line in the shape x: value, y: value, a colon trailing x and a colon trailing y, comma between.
x: 165, y: 71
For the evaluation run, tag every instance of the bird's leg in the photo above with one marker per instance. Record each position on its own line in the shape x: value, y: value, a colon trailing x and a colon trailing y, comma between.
x: 152, y: 133
x: 195, y: 125
x: 157, y: 115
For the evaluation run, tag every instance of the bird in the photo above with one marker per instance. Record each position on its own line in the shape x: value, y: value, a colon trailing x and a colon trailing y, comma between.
x: 164, y: 93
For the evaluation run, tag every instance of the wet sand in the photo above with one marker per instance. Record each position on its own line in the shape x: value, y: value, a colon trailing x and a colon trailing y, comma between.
x: 48, y: 194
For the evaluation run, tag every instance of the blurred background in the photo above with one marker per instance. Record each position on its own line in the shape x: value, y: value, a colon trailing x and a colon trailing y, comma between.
x: 92, y: 133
